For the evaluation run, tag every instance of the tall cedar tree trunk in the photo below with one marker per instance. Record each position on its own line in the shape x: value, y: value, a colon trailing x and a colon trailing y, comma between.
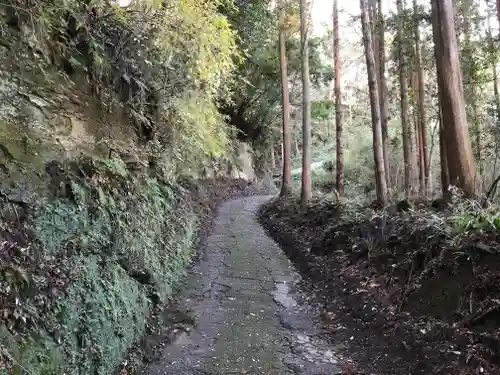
x: 378, y: 153
x: 461, y: 164
x: 373, y: 22
x: 422, y: 126
x: 403, y: 89
x: 470, y: 90
x: 376, y: 21
x: 338, y: 101
x: 285, y: 95
x: 383, y: 97
x: 306, y: 191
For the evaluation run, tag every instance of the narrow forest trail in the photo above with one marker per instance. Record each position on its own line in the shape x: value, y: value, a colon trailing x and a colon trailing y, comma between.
x: 249, y: 315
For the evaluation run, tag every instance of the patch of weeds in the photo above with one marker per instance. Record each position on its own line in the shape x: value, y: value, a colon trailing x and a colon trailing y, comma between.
x: 29, y: 355
x: 475, y: 218
x: 103, y: 313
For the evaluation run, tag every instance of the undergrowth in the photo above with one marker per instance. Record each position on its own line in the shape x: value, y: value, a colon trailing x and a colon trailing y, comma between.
x: 431, y: 259
x: 428, y: 274
x: 80, y: 276
x: 462, y: 222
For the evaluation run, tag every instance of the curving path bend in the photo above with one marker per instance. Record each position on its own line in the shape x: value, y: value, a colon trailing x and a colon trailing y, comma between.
x: 250, y: 316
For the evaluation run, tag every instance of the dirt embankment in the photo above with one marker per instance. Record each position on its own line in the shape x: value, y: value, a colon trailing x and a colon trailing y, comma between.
x: 419, y: 297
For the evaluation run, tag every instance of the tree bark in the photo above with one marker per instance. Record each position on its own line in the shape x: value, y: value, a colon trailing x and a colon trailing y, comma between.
x: 461, y: 164
x: 285, y: 96
x: 470, y: 90
x: 378, y: 154
x: 306, y: 191
x: 403, y: 89
x: 338, y: 102
x: 421, y: 109
x: 382, y: 87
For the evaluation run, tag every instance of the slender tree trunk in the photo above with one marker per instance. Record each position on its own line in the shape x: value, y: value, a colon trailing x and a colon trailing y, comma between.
x: 297, y: 148
x: 477, y: 147
x: 418, y: 144
x: 374, y: 22
x: 372, y: 12
x: 375, y: 25
x: 445, y: 177
x: 382, y: 87
x: 497, y: 119
x: 421, y: 108
x: 413, y: 136
x: 273, y: 160
x: 461, y: 164
x: 435, y: 129
x: 338, y: 101
x: 378, y: 153
x: 416, y: 131
x: 403, y: 89
x: 496, y: 92
x: 494, y: 61
x: 285, y: 95
x: 306, y: 191
x: 422, y: 128
x: 470, y: 89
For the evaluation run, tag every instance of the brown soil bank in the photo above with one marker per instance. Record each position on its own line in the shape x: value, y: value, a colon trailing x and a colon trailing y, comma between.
x: 410, y: 293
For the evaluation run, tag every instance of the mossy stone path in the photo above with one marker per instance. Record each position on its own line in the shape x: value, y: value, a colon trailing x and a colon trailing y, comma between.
x: 250, y: 317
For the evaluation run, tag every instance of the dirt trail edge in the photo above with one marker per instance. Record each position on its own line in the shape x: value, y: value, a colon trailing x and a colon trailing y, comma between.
x: 249, y: 316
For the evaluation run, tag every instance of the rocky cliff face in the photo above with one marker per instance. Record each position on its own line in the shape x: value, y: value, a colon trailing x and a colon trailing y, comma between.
x: 246, y: 164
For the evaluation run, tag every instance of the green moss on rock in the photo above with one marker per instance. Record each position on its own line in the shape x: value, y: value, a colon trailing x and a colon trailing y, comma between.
x: 116, y: 244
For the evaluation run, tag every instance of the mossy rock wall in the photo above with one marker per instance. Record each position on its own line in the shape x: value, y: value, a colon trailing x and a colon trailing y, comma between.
x: 84, y: 269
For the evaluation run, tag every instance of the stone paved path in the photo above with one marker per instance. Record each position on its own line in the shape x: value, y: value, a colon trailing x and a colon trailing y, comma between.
x: 249, y: 315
